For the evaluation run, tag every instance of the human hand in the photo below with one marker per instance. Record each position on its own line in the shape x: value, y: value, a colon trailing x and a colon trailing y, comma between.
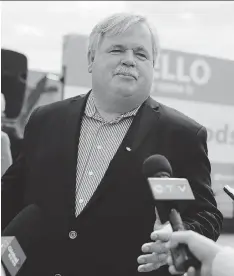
x: 201, y: 247
x: 191, y: 271
x: 157, y: 251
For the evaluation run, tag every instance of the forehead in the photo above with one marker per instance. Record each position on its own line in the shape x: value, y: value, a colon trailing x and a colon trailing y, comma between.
x: 137, y: 35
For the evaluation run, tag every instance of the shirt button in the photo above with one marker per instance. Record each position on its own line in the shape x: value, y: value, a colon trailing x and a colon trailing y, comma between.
x: 99, y: 147
x: 81, y: 200
x: 72, y: 235
x: 90, y: 173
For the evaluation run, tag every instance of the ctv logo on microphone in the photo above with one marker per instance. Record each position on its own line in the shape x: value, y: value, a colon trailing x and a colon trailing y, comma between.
x: 160, y: 188
x: 171, y: 189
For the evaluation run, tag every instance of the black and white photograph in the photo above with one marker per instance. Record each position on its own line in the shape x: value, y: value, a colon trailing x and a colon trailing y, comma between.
x: 117, y: 138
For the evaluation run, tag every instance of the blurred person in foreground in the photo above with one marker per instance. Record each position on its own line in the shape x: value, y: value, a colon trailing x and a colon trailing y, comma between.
x: 14, y: 127
x: 6, y: 157
x: 2, y: 271
x: 82, y: 158
x: 215, y: 260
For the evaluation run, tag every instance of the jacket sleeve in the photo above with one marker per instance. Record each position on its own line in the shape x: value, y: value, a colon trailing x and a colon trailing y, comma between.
x: 203, y: 216
x: 223, y: 264
x: 13, y: 180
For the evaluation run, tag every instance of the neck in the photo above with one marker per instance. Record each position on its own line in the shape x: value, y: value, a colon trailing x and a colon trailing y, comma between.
x: 105, y: 110
x: 114, y: 107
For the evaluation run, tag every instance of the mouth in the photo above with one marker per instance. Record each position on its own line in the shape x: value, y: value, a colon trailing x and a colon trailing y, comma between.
x: 127, y: 76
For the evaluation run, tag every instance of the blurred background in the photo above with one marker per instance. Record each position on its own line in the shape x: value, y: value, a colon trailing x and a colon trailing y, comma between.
x: 43, y: 59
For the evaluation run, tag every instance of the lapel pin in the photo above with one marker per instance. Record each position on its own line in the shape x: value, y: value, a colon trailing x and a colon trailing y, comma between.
x: 128, y: 149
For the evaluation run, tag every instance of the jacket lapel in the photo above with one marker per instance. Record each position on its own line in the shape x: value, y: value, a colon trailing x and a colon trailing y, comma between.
x: 145, y: 121
x: 69, y: 140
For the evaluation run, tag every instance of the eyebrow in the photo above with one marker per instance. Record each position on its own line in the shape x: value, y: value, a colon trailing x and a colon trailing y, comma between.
x: 117, y: 46
x: 140, y: 48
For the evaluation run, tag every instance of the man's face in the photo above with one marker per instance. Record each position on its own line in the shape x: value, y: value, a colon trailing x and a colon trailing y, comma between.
x: 123, y: 65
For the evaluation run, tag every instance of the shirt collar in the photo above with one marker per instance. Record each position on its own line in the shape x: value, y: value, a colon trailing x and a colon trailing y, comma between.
x: 91, y: 110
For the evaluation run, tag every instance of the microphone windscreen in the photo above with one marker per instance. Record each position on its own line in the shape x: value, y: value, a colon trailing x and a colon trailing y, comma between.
x: 27, y: 226
x: 156, y: 164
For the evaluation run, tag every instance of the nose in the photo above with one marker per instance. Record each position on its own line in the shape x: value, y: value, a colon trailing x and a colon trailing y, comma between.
x: 128, y: 59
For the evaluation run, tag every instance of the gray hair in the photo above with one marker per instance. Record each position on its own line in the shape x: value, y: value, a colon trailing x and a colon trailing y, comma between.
x: 117, y: 24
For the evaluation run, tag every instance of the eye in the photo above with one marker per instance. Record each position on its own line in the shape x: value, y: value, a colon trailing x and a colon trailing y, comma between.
x: 116, y: 51
x: 141, y: 55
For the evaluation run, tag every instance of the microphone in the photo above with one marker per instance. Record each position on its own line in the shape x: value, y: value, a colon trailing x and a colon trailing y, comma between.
x: 12, y: 255
x: 172, y: 196
x: 228, y: 190
x: 19, y: 237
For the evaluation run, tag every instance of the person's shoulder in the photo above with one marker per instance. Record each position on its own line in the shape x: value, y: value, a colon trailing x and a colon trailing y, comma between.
x: 175, y: 119
x: 52, y: 112
x: 59, y: 105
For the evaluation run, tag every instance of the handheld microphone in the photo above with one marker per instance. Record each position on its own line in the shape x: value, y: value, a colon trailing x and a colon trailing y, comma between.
x: 12, y: 255
x: 19, y: 236
x: 172, y: 196
x: 228, y: 190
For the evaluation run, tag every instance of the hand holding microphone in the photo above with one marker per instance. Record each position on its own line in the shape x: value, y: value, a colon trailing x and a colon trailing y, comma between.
x: 215, y: 259
x: 202, y: 248
x: 171, y: 195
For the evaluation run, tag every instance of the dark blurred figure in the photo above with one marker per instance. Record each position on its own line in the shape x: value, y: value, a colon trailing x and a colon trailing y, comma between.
x: 18, y: 105
x: 14, y: 68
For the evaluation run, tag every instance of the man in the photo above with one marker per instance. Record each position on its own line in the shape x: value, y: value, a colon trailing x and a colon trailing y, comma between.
x: 82, y: 161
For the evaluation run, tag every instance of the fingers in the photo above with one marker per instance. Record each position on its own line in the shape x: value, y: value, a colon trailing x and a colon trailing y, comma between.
x: 169, y: 260
x: 160, y: 235
x: 172, y: 270
x: 157, y: 247
x: 153, y: 258
x: 177, y: 238
x: 148, y: 267
x: 181, y: 237
x: 157, y: 258
x: 192, y: 272
x: 163, y: 234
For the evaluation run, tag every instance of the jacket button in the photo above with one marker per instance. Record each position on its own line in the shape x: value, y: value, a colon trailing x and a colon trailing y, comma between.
x: 72, y: 235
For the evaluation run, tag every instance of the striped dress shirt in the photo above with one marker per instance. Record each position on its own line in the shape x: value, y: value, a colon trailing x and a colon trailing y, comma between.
x: 98, y: 143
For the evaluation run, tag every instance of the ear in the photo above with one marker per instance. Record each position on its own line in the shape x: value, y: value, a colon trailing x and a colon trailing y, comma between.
x: 90, y: 61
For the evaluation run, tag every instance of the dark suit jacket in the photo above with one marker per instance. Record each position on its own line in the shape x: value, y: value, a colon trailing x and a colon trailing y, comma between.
x: 120, y: 216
